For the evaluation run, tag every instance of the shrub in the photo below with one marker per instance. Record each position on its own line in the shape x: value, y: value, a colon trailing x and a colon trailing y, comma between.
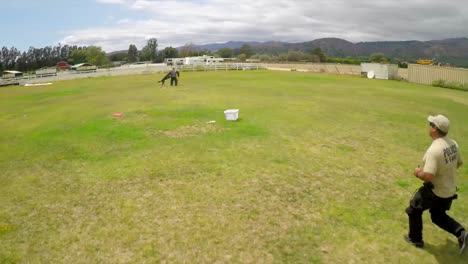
x: 450, y: 85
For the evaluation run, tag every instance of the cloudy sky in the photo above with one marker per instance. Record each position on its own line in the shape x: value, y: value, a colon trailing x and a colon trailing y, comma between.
x: 115, y: 24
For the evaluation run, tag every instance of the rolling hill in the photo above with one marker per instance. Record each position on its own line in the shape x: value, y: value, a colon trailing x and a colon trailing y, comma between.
x: 453, y: 51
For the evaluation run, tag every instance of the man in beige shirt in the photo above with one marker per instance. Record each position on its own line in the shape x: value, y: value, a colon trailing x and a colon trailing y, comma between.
x: 439, y: 173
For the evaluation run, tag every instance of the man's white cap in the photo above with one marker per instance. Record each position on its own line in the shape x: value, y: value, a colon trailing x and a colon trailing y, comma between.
x: 441, y: 122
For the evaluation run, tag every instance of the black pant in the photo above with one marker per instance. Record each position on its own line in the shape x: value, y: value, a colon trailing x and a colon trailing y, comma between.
x: 425, y: 199
x: 174, y: 80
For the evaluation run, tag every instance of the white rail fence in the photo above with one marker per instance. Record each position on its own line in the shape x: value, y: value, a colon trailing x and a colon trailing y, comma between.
x: 159, y: 68
x: 331, y: 68
x: 128, y: 70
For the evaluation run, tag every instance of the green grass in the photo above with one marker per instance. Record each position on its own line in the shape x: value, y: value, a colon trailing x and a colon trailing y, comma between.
x: 448, y: 85
x: 317, y: 170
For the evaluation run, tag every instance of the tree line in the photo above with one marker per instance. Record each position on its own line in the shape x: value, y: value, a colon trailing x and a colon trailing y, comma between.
x: 314, y: 55
x: 149, y: 53
x: 36, y: 58
x: 246, y: 52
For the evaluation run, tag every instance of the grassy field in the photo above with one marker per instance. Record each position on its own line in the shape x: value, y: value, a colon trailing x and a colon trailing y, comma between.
x: 317, y: 170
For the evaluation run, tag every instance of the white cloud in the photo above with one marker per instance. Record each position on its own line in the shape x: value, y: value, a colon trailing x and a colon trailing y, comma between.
x: 175, y: 23
x: 111, y: 1
x: 123, y: 21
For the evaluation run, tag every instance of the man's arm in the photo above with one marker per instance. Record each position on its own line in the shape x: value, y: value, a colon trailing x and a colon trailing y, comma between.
x: 430, y: 168
x: 423, y: 176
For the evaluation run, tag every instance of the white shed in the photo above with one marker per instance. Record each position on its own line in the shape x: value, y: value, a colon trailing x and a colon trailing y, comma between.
x: 11, y: 74
x: 46, y: 71
x: 381, y: 71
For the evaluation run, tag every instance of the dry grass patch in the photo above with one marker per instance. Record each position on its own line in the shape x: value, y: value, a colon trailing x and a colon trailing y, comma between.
x: 191, y: 130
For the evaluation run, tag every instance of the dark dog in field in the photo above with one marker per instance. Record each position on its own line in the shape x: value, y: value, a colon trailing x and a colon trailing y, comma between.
x: 167, y: 76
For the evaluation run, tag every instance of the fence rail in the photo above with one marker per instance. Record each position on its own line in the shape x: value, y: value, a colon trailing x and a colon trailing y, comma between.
x: 128, y: 70
x: 426, y: 74
x: 224, y: 66
x: 319, y: 67
x: 327, y: 68
x: 416, y: 73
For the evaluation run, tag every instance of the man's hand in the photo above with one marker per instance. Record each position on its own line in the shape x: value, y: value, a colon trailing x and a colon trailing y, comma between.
x: 423, y: 176
x: 417, y: 171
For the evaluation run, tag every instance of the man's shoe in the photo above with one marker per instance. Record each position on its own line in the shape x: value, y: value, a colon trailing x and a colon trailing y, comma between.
x: 419, y: 244
x: 463, y: 241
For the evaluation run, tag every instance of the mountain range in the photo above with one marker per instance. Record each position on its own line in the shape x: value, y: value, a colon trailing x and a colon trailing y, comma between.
x: 453, y: 51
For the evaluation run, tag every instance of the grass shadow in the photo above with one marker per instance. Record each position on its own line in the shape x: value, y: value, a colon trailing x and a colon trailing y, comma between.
x: 447, y: 253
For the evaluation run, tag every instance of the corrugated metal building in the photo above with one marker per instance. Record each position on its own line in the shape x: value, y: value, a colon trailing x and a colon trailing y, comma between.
x: 426, y: 74
x: 381, y: 71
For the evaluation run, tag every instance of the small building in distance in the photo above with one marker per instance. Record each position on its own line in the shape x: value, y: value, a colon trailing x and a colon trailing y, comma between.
x: 252, y: 60
x: 11, y: 74
x: 62, y: 66
x: 202, y: 60
x: 83, y: 67
x: 174, y: 61
x: 118, y: 63
x: 380, y: 71
x: 46, y: 71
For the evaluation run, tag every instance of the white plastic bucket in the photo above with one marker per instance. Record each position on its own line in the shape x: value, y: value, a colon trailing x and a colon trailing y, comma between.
x: 231, y: 114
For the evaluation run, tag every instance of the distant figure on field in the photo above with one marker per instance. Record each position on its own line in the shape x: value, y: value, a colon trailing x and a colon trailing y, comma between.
x: 174, y: 74
x: 439, y: 172
x: 167, y: 76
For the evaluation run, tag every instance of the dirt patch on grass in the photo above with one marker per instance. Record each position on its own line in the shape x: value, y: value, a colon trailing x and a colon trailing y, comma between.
x: 138, y: 117
x: 191, y: 130
x: 456, y: 99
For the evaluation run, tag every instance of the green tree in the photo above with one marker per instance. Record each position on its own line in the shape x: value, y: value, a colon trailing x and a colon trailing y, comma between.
x: 265, y: 58
x: 225, y: 53
x: 78, y: 56
x: 377, y: 57
x: 403, y: 64
x: 314, y: 58
x: 294, y: 55
x: 319, y: 53
x: 204, y: 52
x: 150, y: 51
x: 347, y: 60
x: 242, y: 57
x: 246, y: 50
x: 21, y: 63
x: 283, y: 57
x: 92, y: 55
x: 132, y: 54
x: 168, y: 52
x: 96, y: 56
x: 121, y: 56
